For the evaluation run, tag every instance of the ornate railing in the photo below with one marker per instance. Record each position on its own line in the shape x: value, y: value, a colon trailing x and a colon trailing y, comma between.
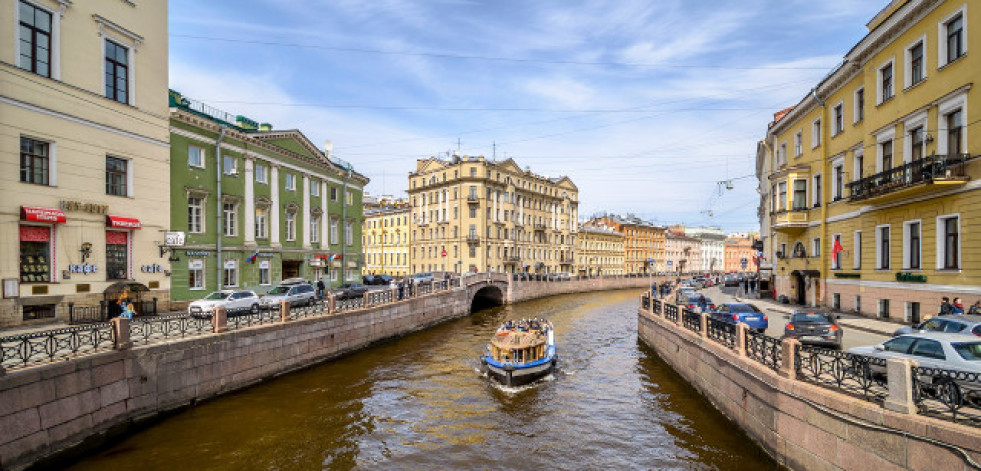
x: 316, y: 308
x: 721, y: 332
x: 658, y: 307
x: 380, y: 297
x: 350, y: 304
x: 422, y: 289
x: 857, y: 375
x: 764, y: 349
x: 23, y: 350
x: 948, y: 393
x: 645, y: 302
x: 691, y: 320
x: 151, y: 329
x: 670, y: 312
x: 927, y: 169
x: 242, y: 319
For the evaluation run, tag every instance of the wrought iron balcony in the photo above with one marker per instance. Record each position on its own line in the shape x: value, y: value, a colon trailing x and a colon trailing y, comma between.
x: 473, y: 199
x: 568, y: 261
x: 935, y: 171
x: 512, y: 260
x: 473, y: 239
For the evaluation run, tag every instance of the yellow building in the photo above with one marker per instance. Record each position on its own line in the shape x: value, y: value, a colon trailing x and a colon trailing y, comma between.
x: 599, y: 251
x: 386, y: 239
x: 644, y: 241
x: 470, y: 214
x: 85, y: 154
x: 882, y: 157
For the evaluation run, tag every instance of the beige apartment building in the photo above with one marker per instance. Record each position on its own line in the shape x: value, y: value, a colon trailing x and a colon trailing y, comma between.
x: 644, y: 242
x: 599, y: 251
x: 86, y: 153
x: 470, y: 214
x: 386, y: 238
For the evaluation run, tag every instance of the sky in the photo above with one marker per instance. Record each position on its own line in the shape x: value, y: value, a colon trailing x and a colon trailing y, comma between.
x: 645, y: 104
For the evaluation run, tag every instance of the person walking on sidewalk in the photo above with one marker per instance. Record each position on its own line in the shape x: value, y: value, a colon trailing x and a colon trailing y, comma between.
x: 945, y: 308
x: 958, y: 308
x: 975, y: 308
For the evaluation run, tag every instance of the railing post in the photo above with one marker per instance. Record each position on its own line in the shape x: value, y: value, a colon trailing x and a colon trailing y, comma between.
x: 680, y: 321
x: 120, y: 334
x: 742, y: 330
x: 899, y: 373
x: 366, y: 299
x: 704, y: 320
x: 284, y: 311
x: 71, y: 313
x: 650, y: 307
x: 395, y: 293
x: 331, y: 304
x: 788, y: 368
x: 219, y: 320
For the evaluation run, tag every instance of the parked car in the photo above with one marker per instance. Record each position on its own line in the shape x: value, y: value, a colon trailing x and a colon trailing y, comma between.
x: 951, y: 324
x: 383, y: 280
x: 349, y: 291
x: 743, y: 313
x: 298, y: 294
x: 425, y: 277
x: 694, y: 299
x: 960, y: 352
x: 560, y: 276
x: 814, y: 328
x: 234, y: 302
x: 685, y: 291
x: 731, y: 280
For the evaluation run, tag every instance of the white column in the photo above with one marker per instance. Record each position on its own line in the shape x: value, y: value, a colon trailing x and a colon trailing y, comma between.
x: 305, y: 212
x: 324, y: 217
x: 249, y: 208
x: 274, y: 207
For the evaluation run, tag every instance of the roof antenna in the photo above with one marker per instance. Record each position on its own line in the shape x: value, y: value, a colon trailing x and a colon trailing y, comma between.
x: 494, y: 152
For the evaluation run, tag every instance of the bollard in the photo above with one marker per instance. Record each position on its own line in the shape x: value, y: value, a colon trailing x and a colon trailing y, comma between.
x: 899, y: 372
x: 705, y: 322
x: 788, y: 366
x: 219, y: 320
x: 120, y: 334
x: 331, y: 304
x: 742, y: 330
x: 284, y: 311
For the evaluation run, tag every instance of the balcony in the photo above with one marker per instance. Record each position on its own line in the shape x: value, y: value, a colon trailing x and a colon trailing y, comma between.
x: 473, y: 199
x: 473, y: 239
x: 567, y: 261
x: 540, y: 227
x: 936, y: 172
x: 512, y: 260
x: 793, y: 220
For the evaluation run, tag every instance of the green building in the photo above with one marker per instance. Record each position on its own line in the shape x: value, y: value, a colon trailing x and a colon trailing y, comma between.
x: 284, y: 208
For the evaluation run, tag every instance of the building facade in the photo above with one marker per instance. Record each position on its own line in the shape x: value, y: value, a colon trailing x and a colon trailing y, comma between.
x: 643, y: 241
x: 683, y: 254
x: 470, y: 214
x: 257, y: 205
x: 386, y: 239
x: 873, y: 176
x: 599, y: 251
x: 84, y: 109
x: 740, y: 257
x: 712, y: 244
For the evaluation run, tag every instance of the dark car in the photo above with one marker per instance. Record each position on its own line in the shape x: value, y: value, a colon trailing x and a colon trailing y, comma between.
x: 694, y: 300
x: 731, y: 280
x: 969, y: 324
x: 349, y: 291
x: 814, y: 328
x: 376, y: 280
x: 743, y: 313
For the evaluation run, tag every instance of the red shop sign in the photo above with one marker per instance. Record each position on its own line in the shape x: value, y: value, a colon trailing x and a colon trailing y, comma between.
x: 123, y: 223
x: 34, y: 234
x: 30, y: 213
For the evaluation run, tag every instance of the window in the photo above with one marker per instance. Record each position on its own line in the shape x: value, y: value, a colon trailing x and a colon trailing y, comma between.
x: 34, y: 161
x: 915, y: 64
x: 952, y: 43
x: 817, y: 191
x: 816, y: 247
x: 261, y: 223
x: 290, y: 182
x: 859, y: 104
x: 264, y: 273
x: 911, y: 245
x: 35, y: 39
x: 948, y: 242
x: 857, y: 256
x: 333, y: 193
x: 782, y: 198
x: 800, y: 195
x: 117, y: 72
x: 334, y: 238
x: 885, y: 153
x: 290, y: 226
x: 314, y: 188
x: 473, y: 172
x: 348, y: 233
x: 839, y: 183
x: 882, y: 247
x: 955, y: 126
x: 195, y: 156
x: 35, y: 254
x: 195, y: 215
x: 816, y: 133
x: 798, y: 144
x: 782, y: 157
x: 117, y: 248
x: 260, y: 174
x: 884, y: 308
x: 116, y: 176
x: 839, y: 119
x: 314, y: 229
x: 230, y: 273
x: 916, y: 143
x: 858, y: 164
x: 229, y: 167
x: 885, y: 83
x: 349, y: 197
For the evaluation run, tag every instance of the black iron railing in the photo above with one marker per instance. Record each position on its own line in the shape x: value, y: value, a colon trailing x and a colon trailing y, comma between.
x: 691, y: 320
x: 948, y: 394
x: 857, y: 375
x: 670, y: 312
x: 349, y: 304
x: 246, y: 318
x: 315, y: 308
x: 721, y: 332
x: 380, y: 297
x: 23, y: 350
x: 645, y: 302
x: 925, y: 170
x: 764, y: 349
x: 167, y: 327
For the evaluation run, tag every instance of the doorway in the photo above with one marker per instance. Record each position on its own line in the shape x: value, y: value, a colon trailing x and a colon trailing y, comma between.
x: 801, y: 288
x: 291, y: 269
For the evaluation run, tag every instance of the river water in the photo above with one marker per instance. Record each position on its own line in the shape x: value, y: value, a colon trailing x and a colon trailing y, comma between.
x: 420, y: 403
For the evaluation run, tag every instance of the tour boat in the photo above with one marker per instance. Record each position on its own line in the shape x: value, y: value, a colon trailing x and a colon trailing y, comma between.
x: 520, y: 352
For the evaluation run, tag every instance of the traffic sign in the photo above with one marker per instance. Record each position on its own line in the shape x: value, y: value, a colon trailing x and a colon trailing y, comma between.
x: 444, y: 252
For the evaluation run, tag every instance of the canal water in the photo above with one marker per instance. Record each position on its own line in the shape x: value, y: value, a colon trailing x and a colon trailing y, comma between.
x: 420, y: 403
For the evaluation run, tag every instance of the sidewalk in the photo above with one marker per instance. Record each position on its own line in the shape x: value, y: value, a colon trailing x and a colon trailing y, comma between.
x: 875, y: 326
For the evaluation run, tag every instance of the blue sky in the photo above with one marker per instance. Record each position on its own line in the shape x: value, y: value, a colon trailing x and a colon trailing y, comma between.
x: 646, y: 105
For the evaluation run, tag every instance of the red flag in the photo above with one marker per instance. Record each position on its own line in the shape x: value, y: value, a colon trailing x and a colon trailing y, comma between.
x: 836, y: 249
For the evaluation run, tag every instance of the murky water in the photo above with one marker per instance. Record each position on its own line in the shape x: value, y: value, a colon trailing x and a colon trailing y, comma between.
x: 419, y: 403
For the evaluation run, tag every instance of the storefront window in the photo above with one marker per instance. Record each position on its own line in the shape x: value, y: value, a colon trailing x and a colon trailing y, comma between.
x: 43, y: 311
x: 117, y: 263
x: 264, y: 273
x: 231, y: 273
x: 35, y: 254
x: 195, y: 274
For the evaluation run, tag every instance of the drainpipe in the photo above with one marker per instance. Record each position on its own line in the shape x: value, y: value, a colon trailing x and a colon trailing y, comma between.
x: 344, y: 226
x: 825, y: 125
x: 219, y: 208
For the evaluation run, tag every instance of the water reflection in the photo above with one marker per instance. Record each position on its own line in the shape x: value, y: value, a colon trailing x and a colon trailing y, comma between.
x: 420, y: 403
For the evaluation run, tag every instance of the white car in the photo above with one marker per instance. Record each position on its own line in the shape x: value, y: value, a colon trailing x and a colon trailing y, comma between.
x: 960, y: 352
x: 234, y: 302
x: 422, y: 278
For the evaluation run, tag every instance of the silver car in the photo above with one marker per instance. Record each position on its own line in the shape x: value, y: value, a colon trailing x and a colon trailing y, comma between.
x: 959, y: 352
x: 234, y: 302
x: 969, y: 324
x: 299, y: 294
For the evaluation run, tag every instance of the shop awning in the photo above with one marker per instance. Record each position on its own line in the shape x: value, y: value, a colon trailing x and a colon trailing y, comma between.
x: 123, y: 223
x: 30, y: 213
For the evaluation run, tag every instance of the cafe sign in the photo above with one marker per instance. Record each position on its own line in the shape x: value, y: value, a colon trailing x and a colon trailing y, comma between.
x: 80, y: 206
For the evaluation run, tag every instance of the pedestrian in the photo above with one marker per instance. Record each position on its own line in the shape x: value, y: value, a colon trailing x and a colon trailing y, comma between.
x: 975, y: 308
x: 958, y: 308
x: 945, y: 307
x: 702, y: 303
x: 320, y: 288
x: 752, y: 285
x: 401, y: 289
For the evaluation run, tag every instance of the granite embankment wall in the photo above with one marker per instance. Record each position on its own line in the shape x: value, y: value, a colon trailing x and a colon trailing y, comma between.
x: 804, y: 426
x: 59, y: 406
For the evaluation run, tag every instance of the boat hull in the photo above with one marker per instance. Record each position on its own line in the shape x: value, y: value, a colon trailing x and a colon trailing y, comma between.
x: 510, y: 375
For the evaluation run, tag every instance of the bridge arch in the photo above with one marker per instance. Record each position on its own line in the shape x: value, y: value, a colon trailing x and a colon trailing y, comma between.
x: 487, y: 296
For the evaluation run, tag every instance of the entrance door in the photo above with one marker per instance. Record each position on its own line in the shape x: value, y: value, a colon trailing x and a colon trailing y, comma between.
x: 291, y: 269
x: 801, y: 289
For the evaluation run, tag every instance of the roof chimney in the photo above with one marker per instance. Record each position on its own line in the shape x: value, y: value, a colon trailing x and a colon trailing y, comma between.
x: 329, y: 149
